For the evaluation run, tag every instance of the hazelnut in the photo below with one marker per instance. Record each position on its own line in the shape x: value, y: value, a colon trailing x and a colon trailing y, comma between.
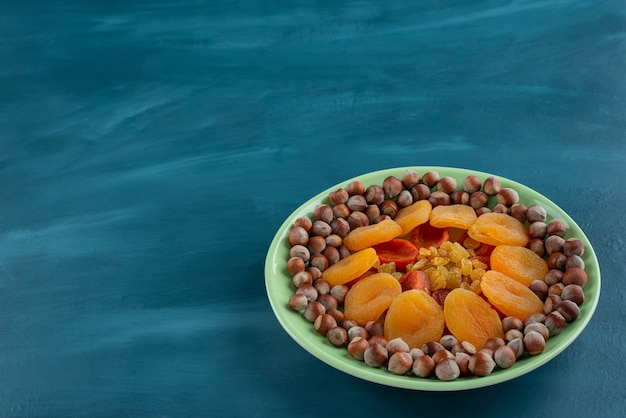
x: 538, y: 327
x: 537, y: 246
x: 511, y: 322
x: 430, y: 178
x: 313, y: 310
x: 505, y: 356
x: 551, y: 303
x: 339, y: 291
x: 574, y: 260
x: 323, y: 213
x: 494, y: 342
x: 372, y: 212
x: 357, y: 347
x: 553, y: 276
x: 446, y: 184
x: 432, y: 347
x: 315, y: 273
x: 536, y: 213
x: 375, y: 355
x: 518, y: 211
x: 329, y: 301
x: 298, y: 302
x: 554, y: 244
x: 568, y: 309
x: 304, y: 222
x: 573, y: 292
x: 517, y: 344
x: 397, y: 344
x: 298, y: 236
x: 481, y: 364
x: 555, y: 322
x: 423, y: 366
x: 341, y: 211
x: 478, y: 199
x: 439, y: 198
x: 323, y: 323
x: 321, y: 228
x: 536, y: 317
x: 462, y: 360
x: 375, y: 328
x: 378, y: 339
x: 534, y: 343
x: 357, y: 219
x: 575, y: 275
x: 512, y: 334
x: 301, y: 277
x: 420, y: 192
x: 507, y: 197
x: 320, y: 261
x: 556, y: 227
x: 358, y: 332
x: 337, y: 314
x: 316, y: 244
x: 459, y: 197
x: 471, y: 184
x: 374, y: 195
x: 392, y: 186
x: 448, y: 341
x: 355, y: 187
x: 334, y: 240
x: 447, y: 369
x: 389, y: 208
x: 300, y: 251
x: 492, y: 186
x: 338, y: 196
x: 537, y: 229
x: 309, y: 291
x: 340, y: 227
x: 539, y: 288
x: 356, y: 203
x: 573, y: 246
x: 557, y: 261
x: 337, y: 336
x: 441, y: 354
x: 404, y: 199
x: 410, y: 178
x: 416, y: 352
x: 482, y: 211
x: 500, y: 208
x: 556, y: 289
x: 400, y: 362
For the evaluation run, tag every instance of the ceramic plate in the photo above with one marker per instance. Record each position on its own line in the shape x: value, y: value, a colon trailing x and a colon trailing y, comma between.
x: 280, y: 289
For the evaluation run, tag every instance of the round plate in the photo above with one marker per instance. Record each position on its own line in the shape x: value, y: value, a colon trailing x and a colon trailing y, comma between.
x: 279, y: 290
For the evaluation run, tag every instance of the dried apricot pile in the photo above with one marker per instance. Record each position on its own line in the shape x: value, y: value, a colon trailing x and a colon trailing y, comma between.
x: 433, y: 277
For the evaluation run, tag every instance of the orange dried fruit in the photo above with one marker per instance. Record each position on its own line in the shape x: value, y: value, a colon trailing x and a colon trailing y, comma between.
x: 453, y: 216
x: 399, y: 251
x: 519, y: 263
x: 427, y: 236
x: 370, y: 297
x: 367, y: 236
x: 499, y: 229
x: 351, y: 267
x: 413, y: 215
x: 471, y: 318
x: 415, y: 317
x: 510, y: 296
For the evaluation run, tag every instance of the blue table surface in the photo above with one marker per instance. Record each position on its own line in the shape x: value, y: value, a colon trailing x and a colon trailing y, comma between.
x: 150, y: 150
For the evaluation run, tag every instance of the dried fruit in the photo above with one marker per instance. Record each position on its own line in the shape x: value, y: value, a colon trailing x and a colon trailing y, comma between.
x: 415, y: 317
x: 499, y: 229
x: 351, y: 267
x: 510, y: 296
x: 453, y: 216
x: 519, y: 263
x: 470, y: 318
x: 370, y: 297
x: 413, y: 215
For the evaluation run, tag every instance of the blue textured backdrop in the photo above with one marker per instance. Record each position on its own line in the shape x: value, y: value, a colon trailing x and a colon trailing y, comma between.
x: 149, y: 150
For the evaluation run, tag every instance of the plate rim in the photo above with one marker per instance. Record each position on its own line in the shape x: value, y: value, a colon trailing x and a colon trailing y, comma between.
x: 341, y: 360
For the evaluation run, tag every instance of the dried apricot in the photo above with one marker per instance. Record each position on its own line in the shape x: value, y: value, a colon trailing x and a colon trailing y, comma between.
x: 351, y: 267
x: 519, y: 263
x: 366, y: 236
x: 499, y: 229
x: 370, y: 297
x: 399, y: 251
x: 452, y: 216
x: 470, y: 318
x: 415, y: 317
x: 426, y: 236
x: 413, y: 215
x: 510, y: 296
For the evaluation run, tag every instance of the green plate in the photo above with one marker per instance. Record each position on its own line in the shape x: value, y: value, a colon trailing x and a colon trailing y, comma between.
x: 279, y: 290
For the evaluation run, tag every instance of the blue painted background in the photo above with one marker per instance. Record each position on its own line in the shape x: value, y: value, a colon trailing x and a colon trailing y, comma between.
x: 149, y: 151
